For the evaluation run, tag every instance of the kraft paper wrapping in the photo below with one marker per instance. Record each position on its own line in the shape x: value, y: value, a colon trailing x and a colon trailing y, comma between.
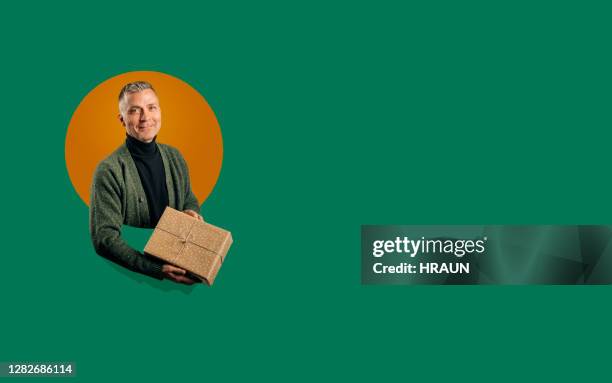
x: 188, y: 243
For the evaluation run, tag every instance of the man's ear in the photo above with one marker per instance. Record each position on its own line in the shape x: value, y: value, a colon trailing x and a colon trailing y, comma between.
x: 120, y: 117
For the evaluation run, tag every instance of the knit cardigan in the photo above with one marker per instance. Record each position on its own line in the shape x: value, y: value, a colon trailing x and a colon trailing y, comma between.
x: 118, y: 198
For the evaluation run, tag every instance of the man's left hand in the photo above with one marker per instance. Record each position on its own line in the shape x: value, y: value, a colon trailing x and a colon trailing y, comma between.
x: 194, y: 215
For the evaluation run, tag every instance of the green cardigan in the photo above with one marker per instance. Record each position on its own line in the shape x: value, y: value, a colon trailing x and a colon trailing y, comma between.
x: 118, y: 198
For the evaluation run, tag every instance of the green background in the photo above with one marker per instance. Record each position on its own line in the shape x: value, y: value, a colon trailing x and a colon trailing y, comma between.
x: 333, y: 116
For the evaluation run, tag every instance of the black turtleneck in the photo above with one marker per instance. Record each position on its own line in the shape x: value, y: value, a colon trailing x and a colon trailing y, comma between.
x: 150, y: 167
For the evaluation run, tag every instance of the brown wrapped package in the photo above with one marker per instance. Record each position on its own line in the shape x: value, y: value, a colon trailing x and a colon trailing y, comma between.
x: 190, y: 244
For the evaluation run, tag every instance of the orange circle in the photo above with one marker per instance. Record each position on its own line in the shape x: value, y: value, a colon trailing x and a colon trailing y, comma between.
x: 188, y: 124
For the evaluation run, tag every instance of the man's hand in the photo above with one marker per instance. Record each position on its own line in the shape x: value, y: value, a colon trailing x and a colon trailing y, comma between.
x: 194, y: 215
x: 176, y: 274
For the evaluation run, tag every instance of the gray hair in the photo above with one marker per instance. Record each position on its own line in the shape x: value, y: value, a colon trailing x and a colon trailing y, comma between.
x: 132, y: 87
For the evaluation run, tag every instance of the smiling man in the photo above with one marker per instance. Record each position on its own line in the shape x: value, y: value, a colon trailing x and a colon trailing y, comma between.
x: 136, y: 182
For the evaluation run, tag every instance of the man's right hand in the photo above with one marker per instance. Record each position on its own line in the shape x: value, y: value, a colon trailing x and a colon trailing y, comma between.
x: 176, y: 274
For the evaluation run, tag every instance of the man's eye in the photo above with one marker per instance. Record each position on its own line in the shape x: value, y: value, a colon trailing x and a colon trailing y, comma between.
x: 153, y: 107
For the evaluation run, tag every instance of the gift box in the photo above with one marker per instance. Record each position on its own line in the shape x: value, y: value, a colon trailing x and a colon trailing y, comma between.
x: 190, y: 244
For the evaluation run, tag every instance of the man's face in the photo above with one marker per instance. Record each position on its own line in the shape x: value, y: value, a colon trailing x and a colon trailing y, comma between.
x: 141, y: 115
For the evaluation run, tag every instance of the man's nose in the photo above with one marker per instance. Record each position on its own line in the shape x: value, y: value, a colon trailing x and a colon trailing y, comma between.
x: 145, y: 115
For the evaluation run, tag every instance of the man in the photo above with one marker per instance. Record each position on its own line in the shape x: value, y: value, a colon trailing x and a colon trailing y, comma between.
x: 136, y: 182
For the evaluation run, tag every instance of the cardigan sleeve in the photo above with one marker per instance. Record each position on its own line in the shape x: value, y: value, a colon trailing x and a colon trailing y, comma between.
x: 105, y: 221
x: 191, y: 201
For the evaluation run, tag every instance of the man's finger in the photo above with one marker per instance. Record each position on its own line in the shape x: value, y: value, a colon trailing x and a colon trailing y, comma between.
x: 194, y: 214
x: 174, y: 269
x: 185, y: 280
x: 181, y: 279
